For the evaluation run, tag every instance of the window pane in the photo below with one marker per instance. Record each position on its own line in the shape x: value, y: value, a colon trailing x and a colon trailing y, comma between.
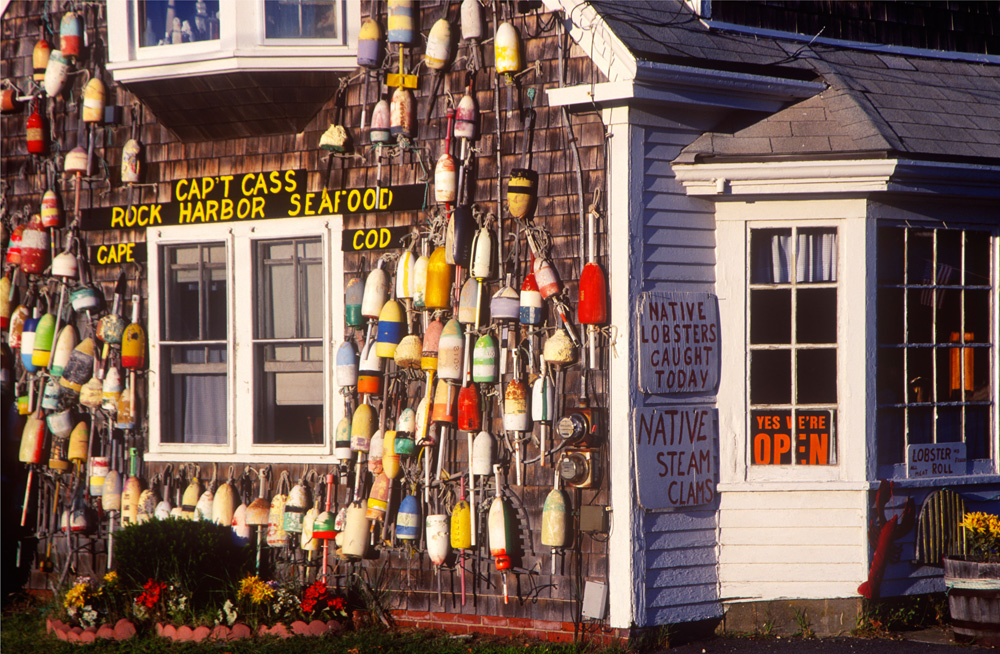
x: 817, y: 376
x: 312, y: 299
x: 278, y: 310
x: 770, y: 256
x: 890, y: 255
x: 891, y: 444
x: 920, y: 421
x: 816, y: 315
x: 770, y: 316
x: 949, y: 425
x: 977, y: 258
x: 954, y: 372
x: 168, y: 22
x: 977, y: 433
x: 949, y: 313
x: 980, y: 375
x: 919, y: 370
x: 920, y: 257
x: 890, y: 315
x: 294, y: 19
x: 289, y: 395
x: 890, y: 388
x: 216, y: 311
x: 949, y: 256
x: 195, y: 292
x: 816, y: 255
x: 977, y: 315
x: 920, y: 316
x: 771, y: 377
x: 194, y: 395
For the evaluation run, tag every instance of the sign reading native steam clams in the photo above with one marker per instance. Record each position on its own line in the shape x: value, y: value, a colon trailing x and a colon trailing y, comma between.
x: 675, y: 450
x: 678, y: 336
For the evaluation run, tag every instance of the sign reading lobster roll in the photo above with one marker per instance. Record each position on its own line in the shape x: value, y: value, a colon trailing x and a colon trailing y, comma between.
x: 253, y: 196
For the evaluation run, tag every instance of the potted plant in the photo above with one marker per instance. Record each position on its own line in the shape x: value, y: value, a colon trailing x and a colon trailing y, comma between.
x: 973, y: 582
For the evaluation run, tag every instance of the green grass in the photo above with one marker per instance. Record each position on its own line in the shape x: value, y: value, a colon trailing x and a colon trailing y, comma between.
x: 22, y: 631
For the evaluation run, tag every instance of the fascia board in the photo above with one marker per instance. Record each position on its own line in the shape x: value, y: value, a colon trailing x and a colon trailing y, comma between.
x: 596, y: 39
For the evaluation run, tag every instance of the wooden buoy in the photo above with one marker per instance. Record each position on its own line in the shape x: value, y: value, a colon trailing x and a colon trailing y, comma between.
x: 439, y: 280
x: 356, y: 533
x: 390, y: 329
x: 507, y: 50
x: 408, y: 519
x: 347, y: 364
x: 438, y: 538
x: 484, y: 360
x: 342, y: 441
x: 402, y: 21
x: 370, y: 47
x: 450, y: 351
x: 437, y: 54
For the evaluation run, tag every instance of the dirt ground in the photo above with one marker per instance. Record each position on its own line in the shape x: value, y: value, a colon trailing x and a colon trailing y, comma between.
x: 929, y: 641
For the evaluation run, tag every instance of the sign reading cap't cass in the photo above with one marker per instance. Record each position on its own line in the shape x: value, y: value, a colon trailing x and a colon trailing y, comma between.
x: 678, y: 336
x: 253, y: 196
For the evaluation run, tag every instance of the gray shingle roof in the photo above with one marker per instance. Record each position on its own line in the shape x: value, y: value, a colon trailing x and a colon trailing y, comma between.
x: 876, y: 102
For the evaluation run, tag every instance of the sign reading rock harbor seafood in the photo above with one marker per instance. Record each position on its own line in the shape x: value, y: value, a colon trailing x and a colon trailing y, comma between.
x: 678, y: 336
x: 253, y: 196
x: 675, y: 450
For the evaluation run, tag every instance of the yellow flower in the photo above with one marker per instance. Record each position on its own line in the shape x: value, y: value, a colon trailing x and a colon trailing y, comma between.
x: 111, y: 578
x: 76, y: 596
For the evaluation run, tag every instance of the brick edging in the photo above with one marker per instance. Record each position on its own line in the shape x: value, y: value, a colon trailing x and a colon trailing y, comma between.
x: 547, y: 630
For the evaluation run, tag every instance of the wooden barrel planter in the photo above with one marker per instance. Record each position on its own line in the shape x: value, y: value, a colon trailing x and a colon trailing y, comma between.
x: 974, y: 600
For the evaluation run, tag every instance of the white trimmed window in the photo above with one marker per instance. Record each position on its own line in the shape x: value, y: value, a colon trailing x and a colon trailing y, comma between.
x: 792, y: 346
x: 936, y: 362
x: 240, y: 339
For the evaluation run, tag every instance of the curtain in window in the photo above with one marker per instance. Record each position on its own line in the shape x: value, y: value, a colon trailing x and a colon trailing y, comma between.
x: 815, y: 257
x: 199, y: 402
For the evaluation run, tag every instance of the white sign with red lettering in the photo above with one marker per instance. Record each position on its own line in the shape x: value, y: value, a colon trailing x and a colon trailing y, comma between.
x: 678, y: 336
x: 935, y: 460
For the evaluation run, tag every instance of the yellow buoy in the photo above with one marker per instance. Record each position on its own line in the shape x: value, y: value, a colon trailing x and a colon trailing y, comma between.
x: 437, y: 295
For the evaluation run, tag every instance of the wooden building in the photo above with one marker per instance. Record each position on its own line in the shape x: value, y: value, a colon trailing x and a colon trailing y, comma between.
x: 722, y: 443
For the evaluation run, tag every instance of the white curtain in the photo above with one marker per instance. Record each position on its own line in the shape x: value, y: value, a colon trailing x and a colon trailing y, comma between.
x: 815, y: 258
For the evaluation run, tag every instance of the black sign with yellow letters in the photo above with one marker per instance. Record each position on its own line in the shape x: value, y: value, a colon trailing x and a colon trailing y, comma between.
x: 115, y: 254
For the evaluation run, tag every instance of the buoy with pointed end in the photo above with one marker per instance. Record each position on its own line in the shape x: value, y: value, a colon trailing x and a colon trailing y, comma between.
x: 363, y: 426
x: 376, y: 293
x: 437, y: 54
x: 347, y: 364
x: 450, y: 351
x: 438, y: 538
x: 390, y: 329
x: 380, y: 130
x: 507, y: 50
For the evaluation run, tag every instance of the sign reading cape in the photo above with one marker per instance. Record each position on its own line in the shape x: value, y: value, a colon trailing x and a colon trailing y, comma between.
x: 678, y: 336
x: 253, y: 196
x: 675, y: 456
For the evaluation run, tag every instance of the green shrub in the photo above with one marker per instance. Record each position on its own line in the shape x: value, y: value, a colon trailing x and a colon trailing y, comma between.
x: 198, y: 558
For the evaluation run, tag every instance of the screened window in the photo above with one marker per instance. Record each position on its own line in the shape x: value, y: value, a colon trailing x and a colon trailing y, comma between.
x: 935, y: 350
x: 172, y: 22
x: 193, y: 346
x: 302, y: 19
x: 288, y: 341
x: 792, y: 346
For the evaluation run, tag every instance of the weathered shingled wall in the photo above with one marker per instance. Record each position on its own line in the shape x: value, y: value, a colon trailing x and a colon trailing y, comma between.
x: 534, y: 592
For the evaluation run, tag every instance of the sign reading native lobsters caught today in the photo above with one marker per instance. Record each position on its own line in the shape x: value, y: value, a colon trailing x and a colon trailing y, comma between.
x: 678, y: 336
x: 675, y: 456
x: 253, y: 196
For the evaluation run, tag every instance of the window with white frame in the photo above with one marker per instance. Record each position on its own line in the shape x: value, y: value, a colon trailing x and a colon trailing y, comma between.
x: 239, y: 339
x: 936, y: 358
x: 792, y: 345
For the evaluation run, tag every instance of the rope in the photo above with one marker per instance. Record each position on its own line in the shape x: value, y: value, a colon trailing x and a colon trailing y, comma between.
x: 962, y: 583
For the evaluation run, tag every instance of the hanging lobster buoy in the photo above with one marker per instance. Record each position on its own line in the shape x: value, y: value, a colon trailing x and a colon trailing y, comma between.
x: 402, y: 113
x: 404, y: 275
x: 370, y: 371
x: 40, y: 59
x: 468, y: 307
x: 79, y: 369
x: 515, y: 407
x: 420, y: 281
x: 56, y: 72
x: 439, y: 279
x: 34, y: 247
x: 33, y: 439
x: 276, y: 534
x: 190, y: 499
x: 299, y: 501
x: 470, y: 415
x: 461, y: 526
x: 445, y: 180
x: 482, y: 454
x: 324, y: 528
x: 79, y: 443
x: 408, y: 352
x: 206, y: 502
x: 505, y: 305
x: 555, y: 516
x: 28, y: 341
x: 380, y: 130
x: 444, y: 407
x: 5, y: 301
x: 376, y: 293
x: 76, y: 162
x: 111, y: 389
x: 342, y: 441
x: 484, y: 360
x: 542, y: 405
x: 130, y: 500
x: 376, y: 449
x: 545, y: 278
x: 111, y: 493
x: 356, y: 533
x: 240, y: 526
x: 84, y: 299
x: 370, y: 44
x: 14, y: 246
x: 402, y: 21
x: 437, y: 54
x: 438, y: 538
x: 472, y: 20
x: 353, y: 298
x: 35, y: 130
x: 406, y: 426
x: 306, y: 540
x: 431, y: 343
x: 522, y: 193
x: 462, y: 228
x: 45, y: 332
x: 450, y: 346
x: 134, y: 341
x: 224, y: 504
x: 148, y: 501
x: 131, y: 168
x: 390, y: 458
x: 531, y: 302
x: 507, y: 50
x: 347, y: 364
x: 16, y: 326
x: 378, y: 498
x: 69, y: 34
x: 362, y: 428
x: 500, y: 529
x: 424, y: 436
x: 390, y: 329
x: 99, y: 469
x: 408, y: 519
x: 559, y: 349
x: 65, y: 265
x: 93, y: 101
x: 51, y: 210
x: 481, y: 265
x: 466, y: 116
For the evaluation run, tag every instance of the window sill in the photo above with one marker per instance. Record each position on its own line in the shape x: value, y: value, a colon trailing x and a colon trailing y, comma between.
x: 304, y: 458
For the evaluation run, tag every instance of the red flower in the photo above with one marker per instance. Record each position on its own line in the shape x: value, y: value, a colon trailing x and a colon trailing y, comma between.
x: 152, y: 590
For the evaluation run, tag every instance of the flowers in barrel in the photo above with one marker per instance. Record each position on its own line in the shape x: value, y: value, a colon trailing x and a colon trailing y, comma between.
x: 982, y: 534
